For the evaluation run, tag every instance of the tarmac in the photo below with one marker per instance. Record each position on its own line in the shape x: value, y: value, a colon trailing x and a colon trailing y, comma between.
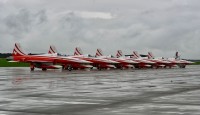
x: 108, y: 92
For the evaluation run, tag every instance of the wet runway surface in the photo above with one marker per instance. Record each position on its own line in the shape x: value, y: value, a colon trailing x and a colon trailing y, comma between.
x: 110, y: 92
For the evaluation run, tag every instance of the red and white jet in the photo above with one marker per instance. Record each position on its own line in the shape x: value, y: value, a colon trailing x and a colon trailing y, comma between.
x: 159, y: 62
x: 99, y: 63
x: 142, y: 61
x: 96, y: 62
x: 179, y: 62
x: 65, y: 65
x: 44, y: 61
x: 122, y: 62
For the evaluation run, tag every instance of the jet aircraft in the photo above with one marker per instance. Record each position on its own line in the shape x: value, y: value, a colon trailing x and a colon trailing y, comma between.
x: 43, y: 61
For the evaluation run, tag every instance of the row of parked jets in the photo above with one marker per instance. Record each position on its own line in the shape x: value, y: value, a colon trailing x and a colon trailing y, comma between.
x: 54, y: 60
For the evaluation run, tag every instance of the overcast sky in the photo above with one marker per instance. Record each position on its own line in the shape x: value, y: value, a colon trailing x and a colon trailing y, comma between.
x: 159, y: 26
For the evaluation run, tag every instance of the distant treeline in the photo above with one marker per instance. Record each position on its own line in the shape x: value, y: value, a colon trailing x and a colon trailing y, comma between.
x: 193, y: 60
x: 5, y: 55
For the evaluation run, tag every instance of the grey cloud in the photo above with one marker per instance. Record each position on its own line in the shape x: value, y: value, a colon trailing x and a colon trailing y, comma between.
x: 15, y: 26
x: 160, y: 26
x: 40, y: 17
x: 23, y: 22
x: 18, y: 23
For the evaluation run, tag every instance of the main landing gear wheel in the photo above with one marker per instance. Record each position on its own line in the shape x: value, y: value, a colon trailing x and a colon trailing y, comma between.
x: 183, y: 66
x: 69, y: 68
x: 63, y: 67
x: 99, y: 68
x: 32, y: 67
x: 44, y: 69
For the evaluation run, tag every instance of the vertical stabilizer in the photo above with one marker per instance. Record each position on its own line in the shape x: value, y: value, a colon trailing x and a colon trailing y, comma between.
x: 150, y: 55
x: 119, y: 53
x: 177, y: 56
x: 52, y: 49
x: 99, y: 53
x: 136, y: 55
x: 17, y: 51
x: 78, y: 51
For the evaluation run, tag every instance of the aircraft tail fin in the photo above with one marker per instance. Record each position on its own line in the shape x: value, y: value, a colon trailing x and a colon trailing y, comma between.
x: 135, y: 55
x: 177, y: 56
x: 150, y: 55
x: 78, y: 51
x: 119, y: 53
x: 99, y: 53
x: 17, y: 51
x: 52, y: 49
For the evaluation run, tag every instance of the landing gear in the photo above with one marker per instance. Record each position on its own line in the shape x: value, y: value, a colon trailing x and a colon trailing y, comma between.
x: 44, y: 69
x: 67, y: 67
x: 182, y: 66
x: 154, y: 67
x: 99, y: 67
x: 122, y: 68
x: 32, y: 67
x: 63, y: 67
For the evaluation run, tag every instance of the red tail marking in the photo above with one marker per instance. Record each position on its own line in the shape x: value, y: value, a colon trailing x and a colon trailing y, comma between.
x: 99, y: 52
x: 52, y: 49
x: 17, y: 51
x: 135, y: 54
x: 150, y: 55
x: 119, y: 53
x: 78, y: 51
